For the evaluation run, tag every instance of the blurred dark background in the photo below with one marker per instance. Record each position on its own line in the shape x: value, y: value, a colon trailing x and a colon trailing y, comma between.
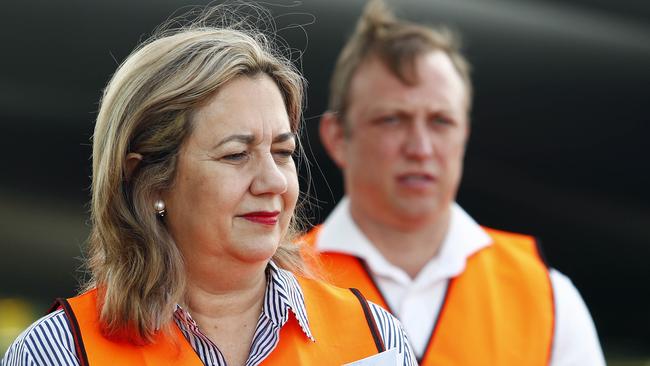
x: 559, y: 145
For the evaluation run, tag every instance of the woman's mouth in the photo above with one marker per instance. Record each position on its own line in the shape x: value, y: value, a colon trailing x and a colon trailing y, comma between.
x: 269, y: 218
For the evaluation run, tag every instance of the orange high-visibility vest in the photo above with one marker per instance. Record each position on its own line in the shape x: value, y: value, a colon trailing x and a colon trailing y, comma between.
x: 339, y: 319
x: 499, y: 311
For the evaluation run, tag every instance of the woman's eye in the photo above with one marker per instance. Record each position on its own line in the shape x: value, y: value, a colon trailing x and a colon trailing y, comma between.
x: 236, y: 156
x: 283, y: 154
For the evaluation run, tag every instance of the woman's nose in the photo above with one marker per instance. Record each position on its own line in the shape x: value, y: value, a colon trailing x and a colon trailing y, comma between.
x: 269, y: 179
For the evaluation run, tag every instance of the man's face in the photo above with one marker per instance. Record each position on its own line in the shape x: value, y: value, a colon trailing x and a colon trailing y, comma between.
x: 402, y: 159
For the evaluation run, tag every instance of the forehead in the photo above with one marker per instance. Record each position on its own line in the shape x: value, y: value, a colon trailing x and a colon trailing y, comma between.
x: 247, y: 104
x: 438, y: 85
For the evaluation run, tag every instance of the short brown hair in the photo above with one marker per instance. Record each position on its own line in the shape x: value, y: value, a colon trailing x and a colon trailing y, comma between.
x: 395, y: 42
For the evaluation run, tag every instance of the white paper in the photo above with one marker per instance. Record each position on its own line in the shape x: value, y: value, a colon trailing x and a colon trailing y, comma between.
x: 387, y: 358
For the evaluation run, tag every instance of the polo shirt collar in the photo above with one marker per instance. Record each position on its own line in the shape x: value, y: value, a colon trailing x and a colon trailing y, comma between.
x: 339, y: 233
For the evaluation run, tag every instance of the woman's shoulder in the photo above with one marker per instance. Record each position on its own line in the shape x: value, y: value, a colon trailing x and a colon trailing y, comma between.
x: 48, y: 341
x: 390, y: 329
x: 392, y: 333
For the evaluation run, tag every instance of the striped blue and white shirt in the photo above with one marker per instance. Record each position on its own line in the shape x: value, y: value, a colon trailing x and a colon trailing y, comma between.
x: 49, y: 340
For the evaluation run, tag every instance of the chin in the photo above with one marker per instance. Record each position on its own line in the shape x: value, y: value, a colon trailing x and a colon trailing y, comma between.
x: 419, y: 211
x: 257, y: 253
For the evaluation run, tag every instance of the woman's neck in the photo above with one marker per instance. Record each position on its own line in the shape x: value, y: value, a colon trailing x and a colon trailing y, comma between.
x: 217, y: 289
x: 226, y: 305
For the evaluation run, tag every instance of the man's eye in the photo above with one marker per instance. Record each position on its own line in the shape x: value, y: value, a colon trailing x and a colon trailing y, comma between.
x: 390, y: 119
x: 442, y: 120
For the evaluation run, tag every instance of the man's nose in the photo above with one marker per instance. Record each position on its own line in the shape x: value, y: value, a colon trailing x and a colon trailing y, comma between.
x: 419, y: 142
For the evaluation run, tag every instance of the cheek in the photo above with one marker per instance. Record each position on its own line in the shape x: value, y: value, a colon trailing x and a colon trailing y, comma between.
x: 211, y: 191
x: 186, y: 188
x: 201, y: 187
x: 375, y: 149
x: 450, y: 151
x: 293, y: 188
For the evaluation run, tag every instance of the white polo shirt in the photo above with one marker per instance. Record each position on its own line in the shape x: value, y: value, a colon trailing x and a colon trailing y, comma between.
x: 417, y: 301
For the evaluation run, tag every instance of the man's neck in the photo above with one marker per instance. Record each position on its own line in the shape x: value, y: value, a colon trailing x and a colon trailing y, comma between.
x: 409, y: 249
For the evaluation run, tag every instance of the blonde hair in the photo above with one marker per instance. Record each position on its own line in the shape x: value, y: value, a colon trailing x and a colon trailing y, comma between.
x: 395, y: 42
x: 147, y: 109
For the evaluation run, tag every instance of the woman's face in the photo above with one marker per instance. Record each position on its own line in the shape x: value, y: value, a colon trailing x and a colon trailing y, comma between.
x: 236, y: 185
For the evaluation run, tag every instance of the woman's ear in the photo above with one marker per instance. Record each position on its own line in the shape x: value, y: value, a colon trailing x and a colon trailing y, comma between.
x: 132, y: 161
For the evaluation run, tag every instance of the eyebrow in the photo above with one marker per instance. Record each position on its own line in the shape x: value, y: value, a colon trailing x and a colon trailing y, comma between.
x: 249, y: 139
x: 284, y: 137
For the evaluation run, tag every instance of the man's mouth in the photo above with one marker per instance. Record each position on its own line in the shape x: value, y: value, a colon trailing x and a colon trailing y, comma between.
x: 416, y: 180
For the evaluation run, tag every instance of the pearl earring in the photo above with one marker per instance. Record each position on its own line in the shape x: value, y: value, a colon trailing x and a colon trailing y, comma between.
x: 159, y: 206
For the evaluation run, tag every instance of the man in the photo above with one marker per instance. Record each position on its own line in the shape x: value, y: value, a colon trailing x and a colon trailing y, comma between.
x: 397, y: 126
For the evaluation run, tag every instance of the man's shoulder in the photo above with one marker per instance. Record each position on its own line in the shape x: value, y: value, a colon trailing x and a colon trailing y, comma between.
x: 507, y: 236
x: 520, y: 245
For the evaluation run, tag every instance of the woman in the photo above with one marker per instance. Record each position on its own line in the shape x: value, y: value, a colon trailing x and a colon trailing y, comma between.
x: 193, y: 197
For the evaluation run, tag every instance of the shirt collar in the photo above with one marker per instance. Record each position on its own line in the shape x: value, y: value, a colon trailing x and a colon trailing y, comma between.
x: 283, y: 290
x: 339, y: 233
x: 282, y: 293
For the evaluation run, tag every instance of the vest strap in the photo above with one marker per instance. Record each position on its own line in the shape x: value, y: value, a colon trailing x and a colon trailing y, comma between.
x: 371, y: 320
x: 61, y: 303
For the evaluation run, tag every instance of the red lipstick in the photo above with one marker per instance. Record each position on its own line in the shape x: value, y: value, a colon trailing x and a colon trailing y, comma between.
x: 262, y: 217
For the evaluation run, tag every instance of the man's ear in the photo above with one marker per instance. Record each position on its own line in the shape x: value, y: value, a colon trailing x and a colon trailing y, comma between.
x: 332, y: 135
x: 468, y: 132
x: 132, y: 161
